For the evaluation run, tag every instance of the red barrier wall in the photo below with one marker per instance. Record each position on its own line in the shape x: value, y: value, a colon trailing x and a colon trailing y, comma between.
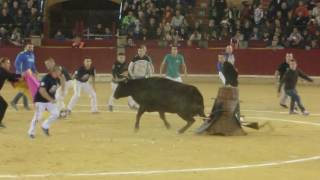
x: 199, y: 61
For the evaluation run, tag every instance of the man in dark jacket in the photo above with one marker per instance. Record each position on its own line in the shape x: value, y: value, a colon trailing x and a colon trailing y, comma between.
x: 290, y: 79
x: 5, y: 74
x: 230, y: 73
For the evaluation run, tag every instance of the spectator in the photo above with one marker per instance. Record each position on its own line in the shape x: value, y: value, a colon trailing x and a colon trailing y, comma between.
x: 316, y: 13
x: 295, y: 38
x: 16, y: 37
x: 128, y: 22
x: 99, y: 30
x: 258, y: 15
x: 78, y: 43
x: 177, y: 20
x: 4, y: 35
x: 255, y: 34
x: 302, y: 10
x: 275, y: 44
x: 5, y: 19
x: 301, y: 21
x: 107, y: 33
x: 59, y: 36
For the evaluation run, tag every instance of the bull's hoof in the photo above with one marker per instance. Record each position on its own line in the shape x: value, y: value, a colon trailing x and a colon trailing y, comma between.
x: 136, y: 129
x: 181, y: 131
x: 168, y: 126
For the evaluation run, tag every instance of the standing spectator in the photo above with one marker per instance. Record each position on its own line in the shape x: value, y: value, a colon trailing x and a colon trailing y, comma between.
x: 173, y: 62
x: 258, y: 15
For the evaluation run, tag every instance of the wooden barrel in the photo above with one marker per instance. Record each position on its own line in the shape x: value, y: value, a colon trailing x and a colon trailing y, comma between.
x: 228, y: 93
x: 224, y: 120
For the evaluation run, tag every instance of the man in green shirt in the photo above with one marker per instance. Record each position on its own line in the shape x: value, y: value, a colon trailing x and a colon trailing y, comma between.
x: 173, y: 63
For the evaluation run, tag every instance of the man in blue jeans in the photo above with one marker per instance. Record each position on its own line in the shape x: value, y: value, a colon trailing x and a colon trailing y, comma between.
x: 290, y: 80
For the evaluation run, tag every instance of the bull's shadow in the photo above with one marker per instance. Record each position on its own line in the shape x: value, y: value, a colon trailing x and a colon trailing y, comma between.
x: 162, y: 95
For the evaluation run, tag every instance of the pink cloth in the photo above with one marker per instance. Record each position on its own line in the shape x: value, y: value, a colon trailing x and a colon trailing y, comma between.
x: 32, y: 83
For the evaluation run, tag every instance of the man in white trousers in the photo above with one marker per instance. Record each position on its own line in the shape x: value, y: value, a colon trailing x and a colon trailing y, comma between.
x: 140, y: 67
x: 119, y: 73
x: 82, y: 76
x: 173, y: 62
x: 61, y: 93
x: 45, y: 101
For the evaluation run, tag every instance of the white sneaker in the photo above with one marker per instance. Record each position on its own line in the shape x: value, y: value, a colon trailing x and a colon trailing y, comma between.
x: 305, y: 113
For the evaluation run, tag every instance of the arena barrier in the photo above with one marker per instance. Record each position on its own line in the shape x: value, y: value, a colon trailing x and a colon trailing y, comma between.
x: 199, y: 61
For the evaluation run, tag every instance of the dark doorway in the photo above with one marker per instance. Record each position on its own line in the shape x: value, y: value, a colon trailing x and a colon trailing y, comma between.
x: 77, y: 17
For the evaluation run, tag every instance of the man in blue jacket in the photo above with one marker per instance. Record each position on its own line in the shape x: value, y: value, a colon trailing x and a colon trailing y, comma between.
x: 25, y: 60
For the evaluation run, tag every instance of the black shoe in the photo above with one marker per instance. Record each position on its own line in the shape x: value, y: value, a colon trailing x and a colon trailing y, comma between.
x: 32, y: 136
x: 27, y: 108
x: 45, y: 131
x: 2, y: 125
x: 293, y: 112
x: 284, y: 106
x: 110, y: 108
x: 14, y: 106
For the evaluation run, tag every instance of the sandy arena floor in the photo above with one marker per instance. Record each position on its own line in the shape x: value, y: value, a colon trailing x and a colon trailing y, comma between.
x: 104, y: 146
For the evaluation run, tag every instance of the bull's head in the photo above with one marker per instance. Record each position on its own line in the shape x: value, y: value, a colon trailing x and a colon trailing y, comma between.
x: 123, y: 90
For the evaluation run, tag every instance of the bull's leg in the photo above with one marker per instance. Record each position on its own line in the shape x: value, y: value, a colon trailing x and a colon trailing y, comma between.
x: 163, y: 117
x: 141, y: 110
x: 190, y: 120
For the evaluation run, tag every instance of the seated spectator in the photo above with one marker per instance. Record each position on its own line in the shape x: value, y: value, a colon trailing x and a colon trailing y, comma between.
x: 300, y: 21
x: 152, y: 29
x: 275, y: 44
x: 316, y: 13
x: 255, y: 34
x: 35, y: 22
x: 6, y: 20
x: 13, y: 10
x: 4, y: 37
x: 194, y: 38
x: 295, y: 38
x: 302, y: 10
x: 107, y: 32
x: 130, y: 42
x: 128, y: 22
x: 59, y: 36
x: 177, y: 20
x: 16, y: 37
x: 98, y: 30
x: 78, y: 43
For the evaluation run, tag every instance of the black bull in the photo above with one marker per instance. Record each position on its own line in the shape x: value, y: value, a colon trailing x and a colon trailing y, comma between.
x: 163, y: 95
